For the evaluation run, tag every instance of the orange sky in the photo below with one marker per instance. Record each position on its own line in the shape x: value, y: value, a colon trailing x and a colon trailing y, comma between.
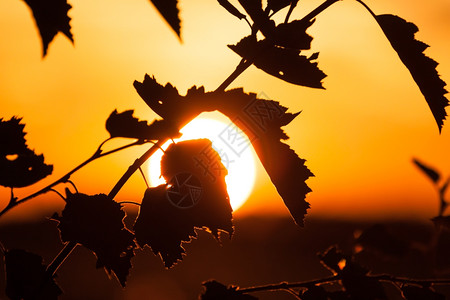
x: 358, y: 136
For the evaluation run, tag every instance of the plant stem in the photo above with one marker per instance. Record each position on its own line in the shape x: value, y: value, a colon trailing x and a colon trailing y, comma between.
x: 291, y: 9
x: 98, y: 154
x: 388, y: 278
x: 135, y: 166
x: 59, y: 259
x: 368, y: 8
x: 241, y: 67
x: 410, y: 281
x: 318, y: 10
x: 245, y: 63
x: 65, y: 252
x: 55, y: 264
x: 286, y: 286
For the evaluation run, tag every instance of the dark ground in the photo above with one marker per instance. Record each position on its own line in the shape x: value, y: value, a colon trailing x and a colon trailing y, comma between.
x: 263, y: 250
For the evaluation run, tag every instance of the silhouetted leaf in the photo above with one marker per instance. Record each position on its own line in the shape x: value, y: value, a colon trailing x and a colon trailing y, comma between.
x: 276, y: 5
x: 125, y: 125
x: 429, y: 171
x: 25, y: 275
x: 260, y: 120
x: 19, y: 166
x: 216, y: 291
x: 315, y: 292
x: 292, y: 35
x: 284, y: 63
x: 442, y: 221
x: 422, y: 68
x: 378, y: 238
x: 51, y: 17
x: 411, y: 292
x: 195, y: 197
x: 12, y: 136
x: 169, y: 11
x: 231, y: 9
x: 96, y: 222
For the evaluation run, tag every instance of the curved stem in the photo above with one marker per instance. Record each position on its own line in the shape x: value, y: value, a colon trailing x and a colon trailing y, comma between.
x: 135, y: 166
x: 73, y: 185
x: 58, y: 193
x: 368, y: 8
x: 98, y: 154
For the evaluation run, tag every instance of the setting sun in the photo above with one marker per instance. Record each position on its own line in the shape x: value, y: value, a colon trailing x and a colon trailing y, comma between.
x: 221, y: 132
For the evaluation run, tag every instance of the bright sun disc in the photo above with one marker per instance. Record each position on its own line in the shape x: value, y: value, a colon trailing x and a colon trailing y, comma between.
x: 233, y: 147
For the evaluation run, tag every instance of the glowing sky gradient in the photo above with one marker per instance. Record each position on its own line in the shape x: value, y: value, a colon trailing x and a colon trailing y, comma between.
x: 358, y: 136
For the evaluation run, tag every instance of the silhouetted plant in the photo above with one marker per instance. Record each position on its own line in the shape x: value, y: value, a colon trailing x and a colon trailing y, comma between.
x: 96, y: 221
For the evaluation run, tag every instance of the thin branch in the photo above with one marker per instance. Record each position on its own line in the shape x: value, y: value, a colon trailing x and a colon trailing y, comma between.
x: 72, y: 184
x: 98, y: 154
x: 409, y: 280
x: 99, y: 148
x: 143, y: 176
x: 243, y: 65
x: 136, y: 143
x: 60, y: 258
x: 58, y: 193
x: 319, y: 9
x: 286, y: 286
x: 135, y: 166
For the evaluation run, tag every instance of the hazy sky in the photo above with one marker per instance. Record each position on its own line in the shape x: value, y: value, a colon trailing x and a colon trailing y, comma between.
x: 358, y: 136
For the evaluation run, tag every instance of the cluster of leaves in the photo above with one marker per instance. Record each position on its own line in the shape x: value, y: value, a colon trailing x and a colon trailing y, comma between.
x: 279, y: 52
x: 261, y: 120
x: 350, y: 281
x: 96, y: 222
